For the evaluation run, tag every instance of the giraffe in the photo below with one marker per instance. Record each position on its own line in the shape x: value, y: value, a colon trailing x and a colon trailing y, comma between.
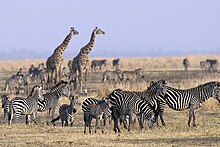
x: 55, y: 61
x: 81, y: 61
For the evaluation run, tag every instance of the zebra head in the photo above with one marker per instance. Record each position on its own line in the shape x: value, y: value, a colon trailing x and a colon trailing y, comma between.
x: 73, y: 101
x: 159, y: 88
x: 62, y: 88
x: 4, y: 100
x: 37, y: 90
x: 216, y: 92
x: 151, y: 121
x: 98, y: 31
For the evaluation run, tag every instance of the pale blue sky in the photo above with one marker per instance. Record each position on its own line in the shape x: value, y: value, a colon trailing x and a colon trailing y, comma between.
x: 34, y: 28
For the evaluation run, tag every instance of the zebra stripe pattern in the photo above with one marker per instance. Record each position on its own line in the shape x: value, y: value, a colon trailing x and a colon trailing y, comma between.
x: 189, y: 99
x: 93, y: 108
x: 125, y: 104
x: 67, y: 112
x: 21, y: 106
x: 51, y: 99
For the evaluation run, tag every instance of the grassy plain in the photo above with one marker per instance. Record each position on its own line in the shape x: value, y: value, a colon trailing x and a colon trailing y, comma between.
x: 176, y: 133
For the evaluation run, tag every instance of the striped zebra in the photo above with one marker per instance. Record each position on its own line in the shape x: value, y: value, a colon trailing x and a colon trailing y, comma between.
x: 50, y: 101
x: 99, y: 63
x: 25, y: 106
x: 191, y: 99
x: 96, y: 111
x: 132, y: 76
x: 13, y: 83
x: 67, y: 112
x: 5, y: 106
x: 112, y: 77
x: 124, y: 103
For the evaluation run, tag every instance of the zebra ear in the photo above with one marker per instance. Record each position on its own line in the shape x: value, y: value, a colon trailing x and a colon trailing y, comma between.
x: 151, y: 83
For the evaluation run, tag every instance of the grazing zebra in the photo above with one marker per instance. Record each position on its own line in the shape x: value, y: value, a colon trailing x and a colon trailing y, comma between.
x: 115, y: 63
x: 21, y: 106
x: 205, y: 65
x: 13, y: 84
x: 99, y: 63
x: 50, y: 101
x: 67, y: 112
x: 186, y: 64
x: 132, y: 76
x: 113, y: 77
x: 89, y: 101
x: 96, y: 111
x: 5, y: 106
x: 190, y: 99
x: 213, y: 64
x: 124, y: 103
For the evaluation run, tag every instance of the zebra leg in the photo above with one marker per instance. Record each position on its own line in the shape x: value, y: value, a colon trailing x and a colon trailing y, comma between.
x: 115, y: 117
x: 66, y: 122
x: 90, y: 121
x: 190, y: 115
x: 62, y: 123
x: 129, y: 122
x: 140, y: 121
x: 101, y: 124
x: 161, y: 119
x: 27, y: 119
x: 96, y: 123
x: 194, y: 118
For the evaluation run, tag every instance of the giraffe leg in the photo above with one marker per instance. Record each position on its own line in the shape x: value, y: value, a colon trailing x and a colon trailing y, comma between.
x: 80, y: 80
x: 86, y: 74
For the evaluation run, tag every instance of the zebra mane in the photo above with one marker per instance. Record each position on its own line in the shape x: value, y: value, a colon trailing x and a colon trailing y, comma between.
x: 62, y: 82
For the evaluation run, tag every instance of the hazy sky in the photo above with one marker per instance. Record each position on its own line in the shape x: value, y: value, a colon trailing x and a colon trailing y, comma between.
x: 133, y: 27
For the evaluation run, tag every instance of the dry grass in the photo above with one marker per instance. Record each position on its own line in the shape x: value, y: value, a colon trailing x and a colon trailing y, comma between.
x: 176, y: 133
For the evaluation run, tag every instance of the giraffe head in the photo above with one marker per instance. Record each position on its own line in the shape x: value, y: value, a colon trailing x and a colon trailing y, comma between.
x: 98, y: 31
x: 73, y: 31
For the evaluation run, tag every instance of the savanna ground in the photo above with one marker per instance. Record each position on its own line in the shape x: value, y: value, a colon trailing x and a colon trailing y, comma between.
x: 176, y: 132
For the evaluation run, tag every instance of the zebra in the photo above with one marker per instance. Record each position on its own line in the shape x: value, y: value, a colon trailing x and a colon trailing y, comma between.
x: 67, y: 112
x: 191, y: 99
x: 21, y: 106
x: 44, y: 79
x: 132, y: 76
x: 113, y: 77
x: 51, y: 98
x: 205, y: 65
x: 5, y: 106
x: 94, y: 101
x: 96, y: 111
x: 115, y: 63
x: 123, y: 103
x: 99, y: 63
x: 13, y: 83
x: 36, y: 71
x: 213, y: 64
x: 186, y: 64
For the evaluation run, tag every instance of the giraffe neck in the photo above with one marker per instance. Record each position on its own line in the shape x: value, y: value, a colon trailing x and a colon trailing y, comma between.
x: 86, y: 49
x: 60, y: 49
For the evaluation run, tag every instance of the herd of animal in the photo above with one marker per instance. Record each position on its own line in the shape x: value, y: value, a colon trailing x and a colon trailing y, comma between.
x: 118, y: 105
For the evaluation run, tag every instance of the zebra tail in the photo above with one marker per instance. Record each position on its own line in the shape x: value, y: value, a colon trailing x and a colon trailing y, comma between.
x: 55, y: 119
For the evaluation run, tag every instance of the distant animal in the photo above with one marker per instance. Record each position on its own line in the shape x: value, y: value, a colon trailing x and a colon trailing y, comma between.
x: 205, y: 65
x: 36, y: 71
x: 115, y: 63
x: 132, y: 76
x: 213, y: 64
x: 186, y: 64
x: 25, y: 106
x: 5, y: 106
x: 95, y: 111
x: 67, y: 112
x: 96, y: 63
x: 13, y: 84
x: 112, y: 77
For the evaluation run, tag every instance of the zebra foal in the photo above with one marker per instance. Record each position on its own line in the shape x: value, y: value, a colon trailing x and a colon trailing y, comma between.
x: 67, y: 112
x: 21, y: 106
